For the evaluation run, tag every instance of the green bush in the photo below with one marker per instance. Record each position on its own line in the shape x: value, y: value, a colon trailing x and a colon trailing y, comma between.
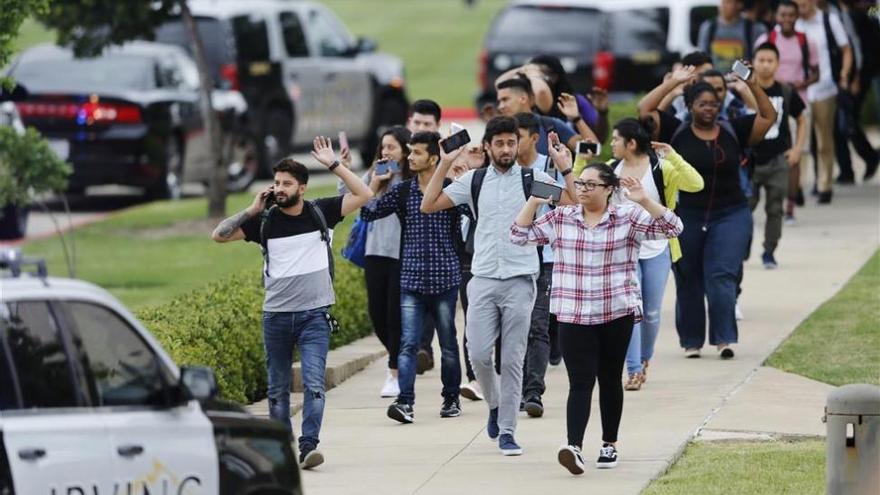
x: 220, y: 325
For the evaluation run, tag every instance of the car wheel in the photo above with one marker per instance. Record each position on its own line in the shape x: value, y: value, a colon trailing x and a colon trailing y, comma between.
x: 170, y: 185
x: 241, y: 155
x: 277, y: 132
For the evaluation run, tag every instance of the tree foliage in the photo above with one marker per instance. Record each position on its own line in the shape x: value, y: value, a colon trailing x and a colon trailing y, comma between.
x: 12, y: 14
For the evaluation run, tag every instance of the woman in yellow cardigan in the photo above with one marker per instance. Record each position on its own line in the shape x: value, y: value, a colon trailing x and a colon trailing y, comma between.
x: 663, y: 172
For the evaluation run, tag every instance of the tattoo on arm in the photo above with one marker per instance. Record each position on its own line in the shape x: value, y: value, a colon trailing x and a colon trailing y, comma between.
x: 230, y: 225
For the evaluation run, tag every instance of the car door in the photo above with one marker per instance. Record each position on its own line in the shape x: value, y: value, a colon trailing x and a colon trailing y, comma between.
x: 348, y: 103
x: 53, y: 440
x: 304, y: 76
x: 158, y: 444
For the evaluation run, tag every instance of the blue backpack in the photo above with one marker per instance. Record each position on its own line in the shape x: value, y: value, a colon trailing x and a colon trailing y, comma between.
x: 355, y: 249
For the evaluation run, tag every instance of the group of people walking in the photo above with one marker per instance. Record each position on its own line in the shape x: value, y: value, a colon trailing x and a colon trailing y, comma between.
x: 583, y: 276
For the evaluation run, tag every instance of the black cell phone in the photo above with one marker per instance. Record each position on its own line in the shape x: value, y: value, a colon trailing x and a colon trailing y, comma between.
x: 270, y: 199
x: 456, y: 141
x: 586, y: 147
x: 546, y: 190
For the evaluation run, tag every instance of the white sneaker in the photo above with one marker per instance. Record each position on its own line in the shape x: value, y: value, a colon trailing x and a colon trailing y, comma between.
x: 738, y: 313
x: 471, y: 390
x: 391, y: 388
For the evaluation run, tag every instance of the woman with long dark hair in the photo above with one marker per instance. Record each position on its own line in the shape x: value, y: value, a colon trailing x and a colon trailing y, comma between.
x: 595, y: 292
x: 382, y: 269
x: 663, y: 173
x: 717, y: 219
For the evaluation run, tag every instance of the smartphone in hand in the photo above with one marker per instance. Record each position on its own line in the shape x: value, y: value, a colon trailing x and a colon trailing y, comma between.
x: 742, y: 70
x: 385, y: 166
x: 455, y: 141
x: 546, y: 190
x: 587, y: 147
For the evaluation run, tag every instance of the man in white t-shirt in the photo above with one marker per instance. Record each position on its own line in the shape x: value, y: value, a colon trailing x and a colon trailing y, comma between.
x: 822, y: 95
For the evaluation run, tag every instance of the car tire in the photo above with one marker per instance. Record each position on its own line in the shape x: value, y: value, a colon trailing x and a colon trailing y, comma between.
x: 241, y: 153
x: 170, y: 185
x: 390, y: 111
x: 277, y: 132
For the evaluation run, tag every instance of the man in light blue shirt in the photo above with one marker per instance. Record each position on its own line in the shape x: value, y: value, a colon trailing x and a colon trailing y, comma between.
x: 502, y: 292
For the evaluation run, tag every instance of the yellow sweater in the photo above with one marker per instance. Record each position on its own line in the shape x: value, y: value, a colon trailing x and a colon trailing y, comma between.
x: 678, y: 175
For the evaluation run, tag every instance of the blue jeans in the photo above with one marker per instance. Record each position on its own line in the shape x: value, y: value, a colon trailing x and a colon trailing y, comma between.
x: 708, y: 271
x: 413, y: 308
x: 652, y: 273
x: 310, y: 332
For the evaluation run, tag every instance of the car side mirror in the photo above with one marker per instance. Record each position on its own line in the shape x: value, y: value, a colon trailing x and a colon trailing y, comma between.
x: 198, y: 382
x: 366, y: 45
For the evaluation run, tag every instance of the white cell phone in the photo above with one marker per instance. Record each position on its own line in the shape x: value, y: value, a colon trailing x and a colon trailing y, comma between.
x: 742, y: 70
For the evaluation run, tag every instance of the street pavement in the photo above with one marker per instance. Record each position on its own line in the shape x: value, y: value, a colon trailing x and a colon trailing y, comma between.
x: 683, y: 399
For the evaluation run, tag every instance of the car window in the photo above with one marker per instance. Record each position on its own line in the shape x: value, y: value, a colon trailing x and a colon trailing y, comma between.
x: 329, y: 37
x: 294, y: 38
x: 637, y: 29
x: 31, y: 336
x: 124, y: 369
x: 219, y: 47
x: 168, y: 74
x: 551, y: 29
x: 698, y: 15
x: 87, y: 75
x: 251, y: 38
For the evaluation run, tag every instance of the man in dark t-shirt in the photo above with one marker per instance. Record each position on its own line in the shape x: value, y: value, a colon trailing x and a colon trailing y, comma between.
x: 295, y: 236
x: 776, y: 154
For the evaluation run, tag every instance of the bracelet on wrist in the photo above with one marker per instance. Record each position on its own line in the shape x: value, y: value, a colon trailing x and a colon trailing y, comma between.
x: 566, y: 171
x: 333, y: 165
x: 575, y: 120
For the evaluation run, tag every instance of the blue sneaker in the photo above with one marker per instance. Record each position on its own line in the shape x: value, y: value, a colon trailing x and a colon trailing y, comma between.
x: 492, y: 426
x: 508, y: 445
x: 769, y: 261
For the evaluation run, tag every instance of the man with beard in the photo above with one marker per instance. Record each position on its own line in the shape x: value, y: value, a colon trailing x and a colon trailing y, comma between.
x: 298, y: 276
x: 502, y: 291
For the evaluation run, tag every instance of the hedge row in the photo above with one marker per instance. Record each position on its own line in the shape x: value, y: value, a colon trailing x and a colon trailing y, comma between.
x: 219, y: 326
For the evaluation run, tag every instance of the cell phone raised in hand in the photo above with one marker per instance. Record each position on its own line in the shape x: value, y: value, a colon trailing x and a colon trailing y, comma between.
x: 587, y: 147
x: 742, y: 70
x: 385, y: 166
x: 343, y: 141
x: 455, y: 127
x: 546, y: 190
x: 455, y: 141
x: 269, y: 199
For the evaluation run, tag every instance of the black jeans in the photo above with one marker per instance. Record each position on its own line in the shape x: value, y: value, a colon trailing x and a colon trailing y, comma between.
x: 383, y: 302
x: 848, y: 128
x: 538, y: 350
x: 595, y: 352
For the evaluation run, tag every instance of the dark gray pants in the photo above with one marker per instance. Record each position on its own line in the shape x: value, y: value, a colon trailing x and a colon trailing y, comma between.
x: 773, y: 178
x: 538, y: 349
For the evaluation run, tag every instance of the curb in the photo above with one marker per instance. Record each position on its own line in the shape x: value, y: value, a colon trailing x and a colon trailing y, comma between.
x: 342, y: 363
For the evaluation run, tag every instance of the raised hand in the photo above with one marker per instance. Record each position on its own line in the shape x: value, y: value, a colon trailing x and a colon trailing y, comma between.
x: 323, y: 151
x: 599, y: 98
x: 345, y: 158
x: 567, y: 104
x: 684, y: 74
x: 662, y: 149
x: 560, y: 154
x: 634, y: 190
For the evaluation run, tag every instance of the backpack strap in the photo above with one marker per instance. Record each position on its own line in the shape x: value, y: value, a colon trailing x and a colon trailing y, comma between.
x: 476, y: 186
x: 657, y: 175
x: 749, y: 27
x: 528, y: 177
x: 833, y: 50
x: 678, y: 130
x: 318, y: 217
x: 805, y: 53
x: 265, y: 217
x: 771, y: 37
x: 713, y: 29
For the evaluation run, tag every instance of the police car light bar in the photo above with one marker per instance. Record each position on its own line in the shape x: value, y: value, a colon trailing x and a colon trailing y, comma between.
x: 12, y: 260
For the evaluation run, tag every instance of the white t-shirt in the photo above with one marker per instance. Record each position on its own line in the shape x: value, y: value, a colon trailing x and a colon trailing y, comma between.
x: 826, y: 86
x: 650, y: 248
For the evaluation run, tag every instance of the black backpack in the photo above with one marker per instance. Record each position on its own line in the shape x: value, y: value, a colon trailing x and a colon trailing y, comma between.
x: 403, y: 192
x: 317, y: 216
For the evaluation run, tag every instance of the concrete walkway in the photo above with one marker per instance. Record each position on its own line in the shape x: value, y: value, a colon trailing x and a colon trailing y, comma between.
x: 368, y: 453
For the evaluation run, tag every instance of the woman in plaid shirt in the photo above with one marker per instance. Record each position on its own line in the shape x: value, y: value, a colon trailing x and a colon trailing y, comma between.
x: 595, y: 295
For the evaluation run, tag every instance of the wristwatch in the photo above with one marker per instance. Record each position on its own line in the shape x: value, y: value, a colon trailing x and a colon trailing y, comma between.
x: 574, y: 121
x: 566, y: 171
x: 333, y: 165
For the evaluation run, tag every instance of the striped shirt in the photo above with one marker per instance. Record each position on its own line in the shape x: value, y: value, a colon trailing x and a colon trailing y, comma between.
x: 594, y: 273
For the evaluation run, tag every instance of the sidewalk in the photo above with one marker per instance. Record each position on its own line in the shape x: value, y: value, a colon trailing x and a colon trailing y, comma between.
x: 368, y: 453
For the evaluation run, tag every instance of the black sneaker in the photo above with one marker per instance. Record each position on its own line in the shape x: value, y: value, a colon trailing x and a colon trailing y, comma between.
x: 825, y: 198
x: 607, y: 457
x: 451, y: 408
x: 769, y: 261
x: 799, y: 197
x: 401, y: 412
x: 726, y: 353
x: 492, y: 425
x: 534, y: 407
x: 570, y: 457
x: 310, y: 456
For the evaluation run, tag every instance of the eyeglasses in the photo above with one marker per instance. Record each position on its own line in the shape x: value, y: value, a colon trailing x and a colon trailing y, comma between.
x: 589, y: 186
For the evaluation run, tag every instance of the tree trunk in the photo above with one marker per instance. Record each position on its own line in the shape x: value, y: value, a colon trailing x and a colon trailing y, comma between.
x: 217, y: 184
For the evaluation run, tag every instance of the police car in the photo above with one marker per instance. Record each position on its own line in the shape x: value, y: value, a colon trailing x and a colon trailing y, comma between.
x: 90, y: 404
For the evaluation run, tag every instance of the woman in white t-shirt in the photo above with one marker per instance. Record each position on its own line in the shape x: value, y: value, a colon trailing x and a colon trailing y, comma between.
x: 662, y: 172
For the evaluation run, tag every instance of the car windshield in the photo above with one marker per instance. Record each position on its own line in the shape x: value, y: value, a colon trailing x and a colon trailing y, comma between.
x: 548, y: 29
x: 218, y: 46
x: 636, y: 30
x: 87, y: 75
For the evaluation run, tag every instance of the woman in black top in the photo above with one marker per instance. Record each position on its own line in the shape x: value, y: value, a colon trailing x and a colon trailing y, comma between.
x: 717, y: 222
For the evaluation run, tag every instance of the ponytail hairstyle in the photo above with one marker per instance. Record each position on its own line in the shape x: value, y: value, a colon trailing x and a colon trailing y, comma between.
x: 606, y: 175
x: 631, y: 129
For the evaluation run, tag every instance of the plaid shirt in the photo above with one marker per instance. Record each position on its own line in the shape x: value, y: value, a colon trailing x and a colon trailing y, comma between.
x: 594, y: 274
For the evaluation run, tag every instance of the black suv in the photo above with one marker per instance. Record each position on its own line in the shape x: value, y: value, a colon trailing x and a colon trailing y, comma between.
x: 301, y: 71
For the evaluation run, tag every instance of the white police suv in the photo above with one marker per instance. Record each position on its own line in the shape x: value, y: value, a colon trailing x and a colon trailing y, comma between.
x: 90, y: 404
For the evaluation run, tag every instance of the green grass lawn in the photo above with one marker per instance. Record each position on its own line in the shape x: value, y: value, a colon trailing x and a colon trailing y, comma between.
x: 149, y: 254
x: 754, y: 468
x: 839, y: 343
